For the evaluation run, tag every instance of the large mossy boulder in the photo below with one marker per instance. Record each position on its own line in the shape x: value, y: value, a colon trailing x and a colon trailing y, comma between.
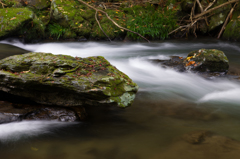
x: 20, y: 22
x: 206, y: 60
x: 66, y: 81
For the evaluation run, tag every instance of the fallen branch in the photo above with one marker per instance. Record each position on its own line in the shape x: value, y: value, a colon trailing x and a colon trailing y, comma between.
x: 191, y: 16
x: 225, y: 23
x: 201, y: 8
x: 2, y: 4
x: 185, y: 26
x: 210, y: 5
x: 196, y: 18
x: 98, y: 10
x: 100, y: 26
x: 212, y: 9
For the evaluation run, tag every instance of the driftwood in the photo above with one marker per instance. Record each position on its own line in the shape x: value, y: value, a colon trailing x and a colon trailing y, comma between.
x: 98, y: 10
x: 195, y: 18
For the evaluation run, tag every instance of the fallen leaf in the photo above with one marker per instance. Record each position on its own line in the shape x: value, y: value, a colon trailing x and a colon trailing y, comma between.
x: 25, y: 71
x: 13, y: 18
x: 188, y: 58
x: 190, y: 63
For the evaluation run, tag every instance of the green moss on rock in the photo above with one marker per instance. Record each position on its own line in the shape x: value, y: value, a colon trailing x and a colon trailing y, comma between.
x: 12, y: 19
x: 65, y: 80
x: 20, y: 22
x: 207, y: 60
x: 38, y: 4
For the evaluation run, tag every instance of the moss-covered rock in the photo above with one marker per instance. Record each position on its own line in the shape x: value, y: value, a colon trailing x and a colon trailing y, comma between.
x: 232, y: 30
x: 12, y: 19
x: 20, y: 22
x: 211, y: 60
x: 81, y: 20
x: 109, y: 28
x: 65, y: 80
x: 73, y: 15
x: 38, y: 4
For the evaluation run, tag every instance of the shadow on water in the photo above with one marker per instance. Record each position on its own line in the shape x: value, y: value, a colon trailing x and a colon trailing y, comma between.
x: 9, y: 50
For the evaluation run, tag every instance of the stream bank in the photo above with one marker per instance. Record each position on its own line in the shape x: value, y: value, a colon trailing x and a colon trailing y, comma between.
x: 37, y: 20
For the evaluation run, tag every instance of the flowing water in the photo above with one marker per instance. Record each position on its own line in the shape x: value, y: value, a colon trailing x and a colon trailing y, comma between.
x: 168, y: 105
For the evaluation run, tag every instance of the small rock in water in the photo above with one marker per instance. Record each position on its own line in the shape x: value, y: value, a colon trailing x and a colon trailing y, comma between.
x: 207, y: 60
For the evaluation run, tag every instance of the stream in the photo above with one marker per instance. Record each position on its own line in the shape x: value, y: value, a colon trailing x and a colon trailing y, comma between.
x: 168, y: 105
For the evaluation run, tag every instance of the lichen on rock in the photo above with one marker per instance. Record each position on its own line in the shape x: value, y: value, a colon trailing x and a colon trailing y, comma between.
x: 66, y: 81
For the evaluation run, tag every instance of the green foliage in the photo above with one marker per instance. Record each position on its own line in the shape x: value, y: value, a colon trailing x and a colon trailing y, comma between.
x: 56, y: 30
x: 151, y: 22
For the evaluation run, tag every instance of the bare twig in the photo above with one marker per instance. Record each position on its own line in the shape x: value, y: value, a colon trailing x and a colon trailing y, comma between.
x: 225, y: 23
x: 201, y: 8
x: 193, y: 11
x: 212, y: 9
x: 100, y: 26
x: 200, y: 16
x: 184, y: 26
x: 98, y: 10
x: 210, y: 5
x: 2, y: 4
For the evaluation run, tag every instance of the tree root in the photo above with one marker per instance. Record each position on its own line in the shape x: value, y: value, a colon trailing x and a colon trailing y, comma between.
x: 98, y: 10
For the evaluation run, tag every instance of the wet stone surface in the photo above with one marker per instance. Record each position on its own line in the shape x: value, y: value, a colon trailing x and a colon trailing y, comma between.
x: 10, y: 112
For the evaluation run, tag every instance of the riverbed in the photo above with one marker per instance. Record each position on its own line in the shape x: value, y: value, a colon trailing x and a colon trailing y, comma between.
x: 168, y: 105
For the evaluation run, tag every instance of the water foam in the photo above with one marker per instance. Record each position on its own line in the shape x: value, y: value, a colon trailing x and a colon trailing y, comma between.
x: 19, y: 130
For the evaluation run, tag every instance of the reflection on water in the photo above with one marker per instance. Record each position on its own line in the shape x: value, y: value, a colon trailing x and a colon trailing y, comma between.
x: 168, y: 106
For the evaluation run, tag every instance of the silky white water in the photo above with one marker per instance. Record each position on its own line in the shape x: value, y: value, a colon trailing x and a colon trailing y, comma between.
x: 132, y: 60
x: 168, y: 103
